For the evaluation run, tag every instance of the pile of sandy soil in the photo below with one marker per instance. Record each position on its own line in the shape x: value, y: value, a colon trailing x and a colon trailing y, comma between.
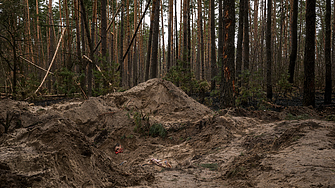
x: 161, y: 100
x: 71, y: 144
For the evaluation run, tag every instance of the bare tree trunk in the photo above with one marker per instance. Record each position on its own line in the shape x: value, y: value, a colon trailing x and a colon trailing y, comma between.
x: 68, y: 63
x: 213, y: 56
x: 170, y: 37
x: 328, y: 89
x: 103, y: 28
x: 147, y: 70
x: 163, y: 42
x: 246, y: 36
x: 176, y: 30
x: 309, y: 60
x: 228, y: 66
x: 294, y: 41
x: 76, y: 18
x: 135, y: 62
x: 239, y: 50
x: 269, y: 52
x: 50, y: 42
x: 221, y: 40
x: 121, y: 48
x: 155, y: 34
x: 90, y: 44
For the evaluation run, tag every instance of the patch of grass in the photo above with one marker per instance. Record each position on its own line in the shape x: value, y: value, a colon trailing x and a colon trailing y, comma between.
x: 298, y: 117
x: 330, y: 118
x: 210, y: 166
x: 235, y: 171
x: 157, y: 130
x: 296, y: 138
x: 130, y: 136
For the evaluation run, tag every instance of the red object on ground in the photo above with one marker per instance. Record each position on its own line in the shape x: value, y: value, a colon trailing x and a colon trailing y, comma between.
x: 118, y: 149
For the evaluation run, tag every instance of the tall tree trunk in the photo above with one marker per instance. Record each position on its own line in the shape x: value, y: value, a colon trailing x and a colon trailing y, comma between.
x: 76, y: 17
x: 220, y: 39
x: 176, y: 32
x: 185, y: 34
x: 213, y: 57
x: 170, y: 37
x: 328, y: 89
x: 162, y: 64
x: 228, y: 66
x: 122, y: 71
x: 50, y: 42
x: 255, y: 46
x: 30, y: 47
x: 246, y: 36
x: 90, y: 44
x: 135, y: 62
x: 309, y: 59
x: 69, y: 63
x: 201, y: 41
x: 155, y: 34
x: 128, y: 57
x: 294, y: 41
x: 83, y: 64
x: 269, y: 53
x: 103, y: 29
x: 147, y: 70
x: 38, y: 31
x: 239, y: 50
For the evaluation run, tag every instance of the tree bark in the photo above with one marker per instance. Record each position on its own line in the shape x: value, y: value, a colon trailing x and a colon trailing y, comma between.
x: 147, y: 65
x: 309, y: 60
x: 228, y: 66
x: 90, y: 44
x: 201, y: 41
x: 213, y: 56
x: 294, y: 41
x: 269, y: 53
x: 328, y: 89
x: 239, y: 56
x: 170, y: 37
x: 220, y: 39
x: 155, y: 34
x: 246, y: 36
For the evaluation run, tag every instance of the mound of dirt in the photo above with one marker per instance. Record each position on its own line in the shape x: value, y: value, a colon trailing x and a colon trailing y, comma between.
x: 71, y: 144
x: 161, y: 100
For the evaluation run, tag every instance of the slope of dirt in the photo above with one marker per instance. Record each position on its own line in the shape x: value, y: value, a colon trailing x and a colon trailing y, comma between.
x: 162, y: 100
x: 71, y: 144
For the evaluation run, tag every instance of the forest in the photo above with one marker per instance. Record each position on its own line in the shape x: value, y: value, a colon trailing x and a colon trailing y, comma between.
x: 239, y: 52
x: 167, y: 93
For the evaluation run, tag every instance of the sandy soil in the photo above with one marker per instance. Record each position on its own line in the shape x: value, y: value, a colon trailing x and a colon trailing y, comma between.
x: 71, y: 144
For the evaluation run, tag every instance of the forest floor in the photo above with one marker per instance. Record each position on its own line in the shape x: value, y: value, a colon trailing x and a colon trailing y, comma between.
x: 72, y: 143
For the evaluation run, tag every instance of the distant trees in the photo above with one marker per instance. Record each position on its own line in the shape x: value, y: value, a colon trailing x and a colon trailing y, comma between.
x: 200, y: 47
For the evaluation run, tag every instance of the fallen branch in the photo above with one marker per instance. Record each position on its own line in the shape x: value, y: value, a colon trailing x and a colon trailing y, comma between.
x: 52, y: 61
x: 97, y: 68
x: 35, y: 65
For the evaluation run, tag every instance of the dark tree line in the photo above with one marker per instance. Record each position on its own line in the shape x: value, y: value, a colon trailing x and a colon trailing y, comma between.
x: 109, y: 45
